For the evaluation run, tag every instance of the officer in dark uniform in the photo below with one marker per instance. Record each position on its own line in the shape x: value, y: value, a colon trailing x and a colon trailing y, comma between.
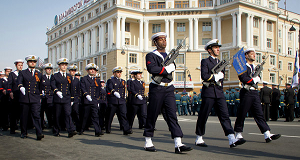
x: 282, y: 105
x: 184, y: 103
x: 5, y: 99
x: 178, y: 102
x: 274, y: 103
x: 138, y: 100
x: 90, y: 87
x: 265, y: 97
x: 213, y: 96
x: 29, y: 83
x: 61, y: 84
x: 289, y: 100
x: 47, y: 96
x: 199, y: 101
x: 103, y: 105
x: 250, y: 101
x: 115, y: 89
x: 75, y: 85
x: 195, y: 103
x: 161, y: 96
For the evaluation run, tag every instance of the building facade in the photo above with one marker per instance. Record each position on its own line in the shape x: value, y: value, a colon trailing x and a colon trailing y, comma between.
x: 117, y: 33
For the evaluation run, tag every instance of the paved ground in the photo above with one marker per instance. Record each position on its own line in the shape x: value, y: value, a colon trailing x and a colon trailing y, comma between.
x: 117, y: 146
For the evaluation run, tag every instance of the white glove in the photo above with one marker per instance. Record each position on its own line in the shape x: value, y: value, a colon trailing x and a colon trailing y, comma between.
x: 43, y: 92
x: 59, y: 93
x: 89, y: 98
x: 117, y: 94
x: 22, y: 89
x: 98, y: 105
x: 256, y: 79
x: 72, y: 103
x: 218, y: 76
x: 170, y: 68
x: 140, y: 97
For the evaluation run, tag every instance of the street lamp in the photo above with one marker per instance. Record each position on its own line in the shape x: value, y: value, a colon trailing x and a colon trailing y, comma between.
x: 293, y: 29
x: 184, y: 74
x: 123, y: 53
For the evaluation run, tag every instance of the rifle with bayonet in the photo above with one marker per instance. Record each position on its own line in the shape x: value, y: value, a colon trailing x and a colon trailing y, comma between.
x: 257, y: 70
x: 218, y: 68
x: 168, y: 60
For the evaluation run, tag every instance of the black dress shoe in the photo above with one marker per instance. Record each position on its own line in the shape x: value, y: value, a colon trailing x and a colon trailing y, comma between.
x: 239, y: 142
x: 183, y: 148
x: 274, y: 137
x: 12, y: 132
x: 56, y: 134
x: 23, y: 136
x: 150, y: 149
x: 102, y: 132
x: 70, y: 135
x: 108, y: 132
x: 201, y: 144
x: 80, y: 133
x: 127, y: 132
x: 39, y: 137
x: 97, y: 135
x: 74, y: 133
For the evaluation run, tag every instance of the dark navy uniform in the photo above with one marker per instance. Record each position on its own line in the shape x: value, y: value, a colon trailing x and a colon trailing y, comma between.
x: 31, y: 101
x: 76, y: 99
x: 116, y: 104
x: 47, y: 100
x: 161, y: 97
x: 90, y: 86
x: 138, y: 106
x: 212, y: 96
x: 178, y: 103
x: 265, y: 96
x: 274, y: 104
x: 62, y: 84
x: 289, y: 100
x: 250, y: 100
x: 103, y: 106
x: 4, y: 108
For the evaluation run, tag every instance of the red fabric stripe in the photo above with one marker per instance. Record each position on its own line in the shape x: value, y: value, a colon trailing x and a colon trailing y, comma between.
x: 162, y: 70
x: 8, y: 89
x: 1, y: 88
x: 250, y: 80
x: 108, y: 93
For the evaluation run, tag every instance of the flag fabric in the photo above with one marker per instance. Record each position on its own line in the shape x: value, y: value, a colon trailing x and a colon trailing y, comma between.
x: 296, y: 71
x: 190, y: 78
x: 239, y: 62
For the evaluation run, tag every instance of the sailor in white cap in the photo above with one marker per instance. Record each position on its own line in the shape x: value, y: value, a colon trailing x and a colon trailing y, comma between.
x: 115, y: 90
x: 265, y: 96
x: 212, y: 95
x: 14, y: 93
x: 29, y: 83
x: 129, y: 96
x: 47, y: 97
x: 78, y: 74
x: 250, y: 100
x: 164, y: 99
x: 4, y: 111
x: 61, y: 84
x: 90, y: 87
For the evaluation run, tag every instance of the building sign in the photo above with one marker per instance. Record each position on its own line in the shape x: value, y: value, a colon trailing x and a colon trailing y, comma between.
x: 180, y: 84
x: 172, y: 13
x: 74, y: 9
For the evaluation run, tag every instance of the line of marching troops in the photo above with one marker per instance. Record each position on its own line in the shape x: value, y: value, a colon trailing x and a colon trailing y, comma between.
x: 68, y: 100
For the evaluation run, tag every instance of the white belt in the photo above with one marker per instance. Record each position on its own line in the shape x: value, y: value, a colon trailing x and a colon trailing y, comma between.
x: 162, y: 83
x: 252, y: 88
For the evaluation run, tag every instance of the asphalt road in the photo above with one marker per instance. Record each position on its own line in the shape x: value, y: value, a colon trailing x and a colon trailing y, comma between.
x: 118, y: 146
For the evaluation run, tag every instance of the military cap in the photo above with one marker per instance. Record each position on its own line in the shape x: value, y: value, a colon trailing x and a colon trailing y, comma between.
x: 2, y: 73
x: 136, y: 72
x: 249, y: 50
x: 214, y: 42
x: 6, y: 68
x: 102, y: 81
x: 91, y: 66
x: 288, y: 84
x: 158, y: 35
x: 265, y: 82
x: 176, y: 91
x: 77, y: 73
x: 72, y: 67
x: 48, y: 65
x: 31, y: 58
x: 117, y: 69
x: 98, y: 75
x: 63, y: 60
x: 18, y: 61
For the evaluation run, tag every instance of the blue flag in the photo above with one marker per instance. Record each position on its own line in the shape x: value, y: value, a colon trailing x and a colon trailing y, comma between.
x: 239, y: 62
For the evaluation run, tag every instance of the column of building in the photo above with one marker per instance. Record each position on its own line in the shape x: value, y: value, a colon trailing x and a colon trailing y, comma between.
x: 123, y: 31
x: 146, y: 39
x: 219, y: 29
x: 172, y: 33
x: 141, y: 34
x: 261, y: 34
x: 118, y: 18
x: 167, y: 30
x: 196, y: 33
x: 239, y: 28
x: 191, y: 33
x: 233, y: 29
x: 251, y: 30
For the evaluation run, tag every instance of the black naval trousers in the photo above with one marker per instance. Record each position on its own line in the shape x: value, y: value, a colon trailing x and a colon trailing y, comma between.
x: 75, y: 116
x: 141, y: 110
x: 48, y: 109
x: 221, y: 110
x: 34, y: 109
x: 91, y: 109
x: 66, y: 109
x: 102, y: 112
x: 250, y: 100
x: 162, y: 97
x: 14, y: 111
x: 121, y: 111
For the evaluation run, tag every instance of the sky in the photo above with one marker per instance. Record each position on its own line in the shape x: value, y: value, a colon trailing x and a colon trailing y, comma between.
x: 24, y: 24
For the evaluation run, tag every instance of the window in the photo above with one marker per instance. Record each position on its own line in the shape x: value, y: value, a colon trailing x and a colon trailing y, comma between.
x: 127, y: 27
x: 97, y: 10
x: 179, y: 41
x: 104, y: 60
x: 96, y: 61
x: 269, y: 26
x: 271, y: 5
x: 82, y: 19
x: 290, y: 66
x: 290, y: 80
x: 204, y: 55
x: 272, y: 60
x: 272, y: 77
x: 127, y: 41
x: 206, y: 26
x: 258, y: 57
x: 88, y: 61
x: 132, y: 57
x: 255, y: 22
x: 70, y: 26
x: 134, y: 4
x: 257, y: 2
x: 103, y: 76
x: 80, y: 67
x: 289, y: 51
x: 205, y: 40
x: 156, y: 28
x: 269, y: 43
x: 180, y: 59
x: 279, y: 48
x: 89, y: 15
x: 290, y: 36
x: 76, y: 23
x: 255, y: 40
x: 226, y: 76
x: 157, y: 5
x: 181, y: 4
x: 65, y: 29
x: 225, y: 1
x: 54, y: 35
x: 105, y: 6
x: 180, y: 27
x: 280, y: 65
x: 179, y: 76
x: 51, y: 37
x: 59, y: 32
x: 225, y: 55
x: 106, y: 42
x: 205, y: 3
x: 106, y: 27
x: 279, y: 33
